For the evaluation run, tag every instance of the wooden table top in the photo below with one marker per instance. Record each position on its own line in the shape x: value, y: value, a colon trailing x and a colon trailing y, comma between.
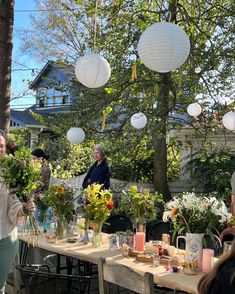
x: 87, y: 252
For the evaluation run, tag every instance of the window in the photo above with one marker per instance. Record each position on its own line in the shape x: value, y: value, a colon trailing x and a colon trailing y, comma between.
x: 41, y: 97
x: 51, y: 97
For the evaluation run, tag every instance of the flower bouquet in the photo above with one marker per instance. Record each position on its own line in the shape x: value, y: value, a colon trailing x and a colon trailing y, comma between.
x: 60, y: 199
x: 97, y: 205
x: 22, y: 178
x: 140, y: 206
x: 195, y: 214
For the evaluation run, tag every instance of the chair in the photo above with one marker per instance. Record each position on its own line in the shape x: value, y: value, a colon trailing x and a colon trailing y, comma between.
x: 38, y: 279
x: 125, y: 277
x: 155, y: 230
x: 213, y: 242
x: 115, y: 223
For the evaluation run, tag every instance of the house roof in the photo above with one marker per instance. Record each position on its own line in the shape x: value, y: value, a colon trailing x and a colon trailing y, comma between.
x: 24, y: 116
x: 69, y: 70
x: 27, y: 118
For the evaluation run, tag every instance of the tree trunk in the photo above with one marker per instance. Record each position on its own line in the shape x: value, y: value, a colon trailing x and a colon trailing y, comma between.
x: 160, y: 146
x: 6, y: 45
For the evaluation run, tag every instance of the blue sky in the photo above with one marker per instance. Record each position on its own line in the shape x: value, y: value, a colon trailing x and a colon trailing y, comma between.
x: 22, y: 62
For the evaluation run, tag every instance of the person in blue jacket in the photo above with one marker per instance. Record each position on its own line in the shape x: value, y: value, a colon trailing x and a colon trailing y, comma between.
x: 100, y: 172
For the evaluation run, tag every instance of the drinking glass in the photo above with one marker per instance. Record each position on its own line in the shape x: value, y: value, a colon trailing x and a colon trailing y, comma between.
x: 227, y: 246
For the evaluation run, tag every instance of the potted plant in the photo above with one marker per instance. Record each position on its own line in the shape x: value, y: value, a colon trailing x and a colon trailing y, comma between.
x: 96, y: 206
x: 195, y: 216
x: 140, y: 206
x: 60, y: 199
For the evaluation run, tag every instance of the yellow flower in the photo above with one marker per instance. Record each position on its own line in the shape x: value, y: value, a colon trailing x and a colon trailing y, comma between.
x: 60, y: 190
x: 93, y: 190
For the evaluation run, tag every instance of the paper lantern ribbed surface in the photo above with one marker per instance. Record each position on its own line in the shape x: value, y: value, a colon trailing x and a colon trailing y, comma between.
x: 194, y: 109
x: 138, y: 120
x: 229, y: 120
x: 76, y: 135
x: 92, y: 70
x: 163, y: 47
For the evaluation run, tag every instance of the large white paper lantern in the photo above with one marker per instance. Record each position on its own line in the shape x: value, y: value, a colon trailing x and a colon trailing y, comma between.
x: 76, y: 135
x: 229, y: 120
x: 138, y: 120
x: 92, y: 70
x: 163, y: 46
x: 194, y: 109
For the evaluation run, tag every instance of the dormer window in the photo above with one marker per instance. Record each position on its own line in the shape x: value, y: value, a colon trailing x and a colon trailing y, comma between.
x: 51, y: 97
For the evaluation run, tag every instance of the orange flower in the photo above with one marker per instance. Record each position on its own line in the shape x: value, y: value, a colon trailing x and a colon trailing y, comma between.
x: 110, y: 205
x: 174, y: 211
x: 60, y: 190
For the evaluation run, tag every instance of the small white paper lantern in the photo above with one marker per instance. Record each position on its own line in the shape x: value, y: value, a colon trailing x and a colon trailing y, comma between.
x: 76, y: 135
x: 92, y: 70
x: 138, y: 120
x: 229, y: 120
x: 198, y: 70
x: 194, y: 109
x: 163, y: 46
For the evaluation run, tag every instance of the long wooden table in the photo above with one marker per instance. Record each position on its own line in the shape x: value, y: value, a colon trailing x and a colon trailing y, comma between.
x: 175, y: 281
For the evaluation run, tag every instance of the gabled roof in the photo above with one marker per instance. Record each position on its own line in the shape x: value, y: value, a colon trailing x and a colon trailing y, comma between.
x: 69, y: 70
x: 24, y: 116
x: 27, y: 118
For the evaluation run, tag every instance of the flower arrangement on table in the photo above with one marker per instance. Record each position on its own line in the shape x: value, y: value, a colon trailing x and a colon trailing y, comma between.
x: 195, y: 214
x: 22, y: 176
x: 96, y: 205
x: 140, y: 206
x: 60, y: 199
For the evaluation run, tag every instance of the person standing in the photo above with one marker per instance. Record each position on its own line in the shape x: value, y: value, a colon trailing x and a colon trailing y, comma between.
x: 100, y: 171
x: 11, y: 209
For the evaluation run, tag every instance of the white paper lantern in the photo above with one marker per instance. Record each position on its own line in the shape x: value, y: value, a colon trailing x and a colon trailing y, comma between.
x: 75, y: 135
x: 92, y: 70
x: 229, y: 120
x: 194, y: 109
x: 198, y: 70
x: 163, y: 47
x: 138, y: 120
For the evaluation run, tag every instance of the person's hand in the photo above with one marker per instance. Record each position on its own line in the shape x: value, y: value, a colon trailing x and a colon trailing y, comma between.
x: 30, y: 206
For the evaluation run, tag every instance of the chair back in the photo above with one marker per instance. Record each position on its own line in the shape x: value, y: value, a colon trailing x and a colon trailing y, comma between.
x: 116, y: 223
x: 155, y: 231
x: 213, y: 242
x: 125, y: 277
x: 38, y: 279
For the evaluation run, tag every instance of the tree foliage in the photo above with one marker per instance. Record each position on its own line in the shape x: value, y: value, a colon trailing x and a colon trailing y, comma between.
x: 70, y: 28
x: 213, y: 166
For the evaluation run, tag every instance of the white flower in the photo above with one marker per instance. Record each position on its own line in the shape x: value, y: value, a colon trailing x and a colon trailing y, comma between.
x: 166, y: 216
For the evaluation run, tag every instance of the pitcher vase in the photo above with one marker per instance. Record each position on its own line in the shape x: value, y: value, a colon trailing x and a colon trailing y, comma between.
x: 193, y: 252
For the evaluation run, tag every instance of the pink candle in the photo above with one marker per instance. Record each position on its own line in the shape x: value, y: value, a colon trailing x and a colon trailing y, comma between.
x: 207, y: 259
x: 139, y: 241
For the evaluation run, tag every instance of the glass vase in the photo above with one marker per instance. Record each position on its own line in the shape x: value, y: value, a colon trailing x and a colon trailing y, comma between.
x: 96, y: 240
x: 61, y: 229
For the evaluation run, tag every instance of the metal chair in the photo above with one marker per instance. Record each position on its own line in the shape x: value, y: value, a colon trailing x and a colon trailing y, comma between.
x: 116, y: 223
x: 155, y: 230
x: 38, y: 279
x: 213, y: 242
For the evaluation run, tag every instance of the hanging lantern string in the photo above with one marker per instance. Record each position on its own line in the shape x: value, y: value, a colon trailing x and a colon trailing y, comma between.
x: 95, y: 25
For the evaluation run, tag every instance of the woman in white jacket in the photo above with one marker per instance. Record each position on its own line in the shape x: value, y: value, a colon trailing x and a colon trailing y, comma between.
x: 11, y: 209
